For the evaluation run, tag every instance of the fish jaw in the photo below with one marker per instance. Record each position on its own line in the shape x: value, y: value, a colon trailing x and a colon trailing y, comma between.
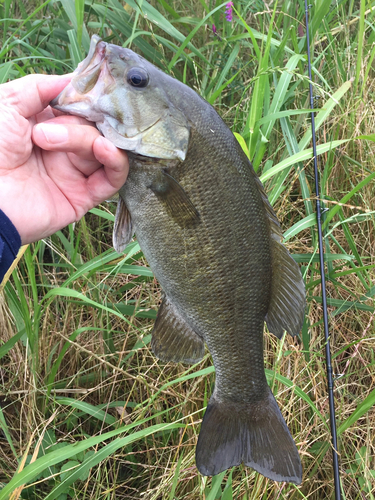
x: 90, y: 80
x: 141, y: 120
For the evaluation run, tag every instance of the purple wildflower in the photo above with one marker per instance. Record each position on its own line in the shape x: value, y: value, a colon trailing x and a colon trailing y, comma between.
x: 229, y: 12
x: 215, y: 32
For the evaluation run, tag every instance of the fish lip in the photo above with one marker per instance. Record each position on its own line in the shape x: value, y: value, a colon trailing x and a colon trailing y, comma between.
x: 95, y: 42
x: 94, y: 61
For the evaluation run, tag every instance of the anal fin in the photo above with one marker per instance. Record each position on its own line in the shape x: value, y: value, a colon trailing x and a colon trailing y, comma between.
x: 173, y: 339
x: 123, y: 228
x: 288, y: 299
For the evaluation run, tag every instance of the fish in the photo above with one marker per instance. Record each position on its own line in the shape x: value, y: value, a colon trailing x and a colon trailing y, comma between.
x: 213, y: 241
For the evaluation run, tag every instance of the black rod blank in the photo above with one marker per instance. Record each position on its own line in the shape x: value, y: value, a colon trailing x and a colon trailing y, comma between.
x: 331, y: 399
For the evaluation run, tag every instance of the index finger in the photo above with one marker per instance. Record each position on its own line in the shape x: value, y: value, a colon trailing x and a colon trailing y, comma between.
x: 32, y: 93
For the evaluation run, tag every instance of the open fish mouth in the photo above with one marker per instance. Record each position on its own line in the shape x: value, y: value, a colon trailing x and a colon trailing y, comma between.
x: 89, y: 81
x: 97, y: 51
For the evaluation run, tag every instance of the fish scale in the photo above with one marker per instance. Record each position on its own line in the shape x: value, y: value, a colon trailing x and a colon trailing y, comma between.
x: 209, y: 234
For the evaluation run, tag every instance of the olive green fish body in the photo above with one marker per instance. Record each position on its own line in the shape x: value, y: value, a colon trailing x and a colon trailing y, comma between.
x: 218, y: 273
x: 205, y: 225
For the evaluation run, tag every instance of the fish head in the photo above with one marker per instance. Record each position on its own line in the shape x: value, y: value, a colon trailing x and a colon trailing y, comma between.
x: 129, y: 99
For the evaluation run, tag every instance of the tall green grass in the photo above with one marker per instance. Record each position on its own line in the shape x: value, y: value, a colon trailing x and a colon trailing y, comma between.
x: 85, y: 409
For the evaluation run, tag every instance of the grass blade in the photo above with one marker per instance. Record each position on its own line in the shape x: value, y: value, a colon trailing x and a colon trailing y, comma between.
x: 301, y: 156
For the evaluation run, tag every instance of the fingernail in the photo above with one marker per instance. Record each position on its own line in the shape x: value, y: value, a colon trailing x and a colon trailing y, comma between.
x: 105, y: 143
x: 54, y: 134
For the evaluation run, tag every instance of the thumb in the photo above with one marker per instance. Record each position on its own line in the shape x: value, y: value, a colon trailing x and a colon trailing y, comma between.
x: 32, y: 93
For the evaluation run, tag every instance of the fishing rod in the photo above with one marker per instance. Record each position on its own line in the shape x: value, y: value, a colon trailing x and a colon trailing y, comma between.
x: 319, y: 213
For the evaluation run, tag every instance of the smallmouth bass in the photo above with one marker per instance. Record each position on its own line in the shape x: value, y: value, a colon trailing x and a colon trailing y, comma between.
x: 213, y: 241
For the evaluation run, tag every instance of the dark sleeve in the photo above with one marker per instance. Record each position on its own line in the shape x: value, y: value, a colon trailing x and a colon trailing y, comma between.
x: 10, y: 243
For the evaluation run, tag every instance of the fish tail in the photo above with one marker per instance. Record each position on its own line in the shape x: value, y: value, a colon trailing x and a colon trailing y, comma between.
x: 255, y: 434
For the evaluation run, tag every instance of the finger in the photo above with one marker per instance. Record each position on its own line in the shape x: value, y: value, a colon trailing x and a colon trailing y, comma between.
x: 32, y: 93
x: 106, y: 181
x: 114, y: 160
x: 43, y: 116
x: 55, y: 117
x: 66, y: 137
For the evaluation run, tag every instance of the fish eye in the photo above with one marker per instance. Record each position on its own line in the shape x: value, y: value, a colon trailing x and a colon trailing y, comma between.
x: 137, y: 77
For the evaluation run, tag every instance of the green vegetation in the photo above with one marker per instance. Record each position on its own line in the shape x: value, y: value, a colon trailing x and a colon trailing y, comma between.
x: 86, y: 411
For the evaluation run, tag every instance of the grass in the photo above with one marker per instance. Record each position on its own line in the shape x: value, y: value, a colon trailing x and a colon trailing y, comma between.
x: 86, y: 411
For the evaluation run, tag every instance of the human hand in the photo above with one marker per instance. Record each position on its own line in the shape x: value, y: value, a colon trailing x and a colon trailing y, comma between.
x: 53, y: 169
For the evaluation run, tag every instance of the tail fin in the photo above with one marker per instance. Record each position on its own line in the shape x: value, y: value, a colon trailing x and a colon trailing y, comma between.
x: 255, y: 434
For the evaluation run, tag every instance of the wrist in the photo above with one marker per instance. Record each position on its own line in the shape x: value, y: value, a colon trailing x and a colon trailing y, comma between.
x: 10, y: 243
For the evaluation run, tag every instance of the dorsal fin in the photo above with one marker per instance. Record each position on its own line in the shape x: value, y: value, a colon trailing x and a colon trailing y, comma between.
x: 288, y: 299
x: 287, y: 306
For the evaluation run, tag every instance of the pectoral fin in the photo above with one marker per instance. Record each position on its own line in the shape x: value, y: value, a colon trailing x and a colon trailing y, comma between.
x: 123, y: 228
x: 173, y: 339
x: 175, y: 200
